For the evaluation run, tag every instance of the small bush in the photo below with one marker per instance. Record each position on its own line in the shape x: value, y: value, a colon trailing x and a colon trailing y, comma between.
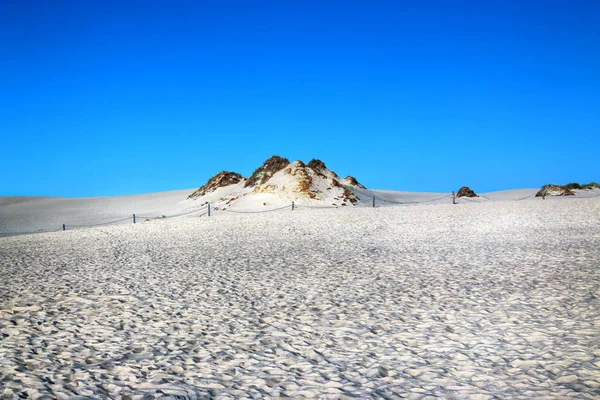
x: 573, y: 185
x: 591, y: 185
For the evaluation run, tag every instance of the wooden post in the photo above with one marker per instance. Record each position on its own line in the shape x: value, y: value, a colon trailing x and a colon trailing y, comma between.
x: 292, y: 206
x: 64, y: 227
x: 134, y: 218
x: 373, y: 201
x: 209, y: 209
x: 543, y: 195
x: 453, y: 197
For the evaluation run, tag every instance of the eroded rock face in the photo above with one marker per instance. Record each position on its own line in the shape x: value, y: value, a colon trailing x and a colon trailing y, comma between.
x: 222, y: 179
x: 554, y: 190
x: 465, y: 191
x: 263, y: 173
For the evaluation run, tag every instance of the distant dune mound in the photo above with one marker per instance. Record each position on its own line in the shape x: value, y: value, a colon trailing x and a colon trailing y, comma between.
x: 465, y: 191
x: 554, y: 190
x: 222, y: 179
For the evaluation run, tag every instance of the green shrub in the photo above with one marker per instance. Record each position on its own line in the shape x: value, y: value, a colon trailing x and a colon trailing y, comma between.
x: 591, y: 185
x: 573, y: 185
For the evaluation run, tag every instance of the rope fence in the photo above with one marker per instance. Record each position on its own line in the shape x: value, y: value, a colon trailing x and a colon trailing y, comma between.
x: 185, y: 213
x: 100, y: 224
x: 207, y: 211
x: 413, y: 202
x: 6, y: 234
x: 256, y: 212
x: 133, y: 218
x: 471, y: 200
x: 317, y: 207
x: 526, y: 197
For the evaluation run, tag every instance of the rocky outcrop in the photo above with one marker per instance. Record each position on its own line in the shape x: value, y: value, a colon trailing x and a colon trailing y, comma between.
x: 350, y: 180
x: 465, y: 191
x: 222, y: 179
x: 554, y: 190
x: 263, y: 173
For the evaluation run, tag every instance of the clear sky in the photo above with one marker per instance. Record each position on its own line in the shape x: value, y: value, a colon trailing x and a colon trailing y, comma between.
x: 114, y: 97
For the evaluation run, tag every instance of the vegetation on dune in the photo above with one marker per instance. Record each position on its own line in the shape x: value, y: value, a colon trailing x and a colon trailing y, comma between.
x: 267, y: 170
x: 567, y: 189
x: 222, y: 179
x: 316, y: 164
x: 554, y: 190
x: 591, y: 185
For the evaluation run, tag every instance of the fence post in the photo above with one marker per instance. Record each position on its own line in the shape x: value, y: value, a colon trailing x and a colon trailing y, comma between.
x: 209, y: 209
x: 292, y: 206
x: 453, y: 198
x: 134, y: 218
x: 64, y: 227
x: 373, y: 201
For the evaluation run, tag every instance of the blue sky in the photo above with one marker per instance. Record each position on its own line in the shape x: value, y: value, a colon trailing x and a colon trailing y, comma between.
x: 106, y: 98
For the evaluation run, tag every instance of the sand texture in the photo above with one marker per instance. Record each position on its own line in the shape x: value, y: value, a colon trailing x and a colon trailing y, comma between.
x: 469, y: 301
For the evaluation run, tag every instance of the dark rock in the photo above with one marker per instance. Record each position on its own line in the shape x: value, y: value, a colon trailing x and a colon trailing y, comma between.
x: 466, y: 192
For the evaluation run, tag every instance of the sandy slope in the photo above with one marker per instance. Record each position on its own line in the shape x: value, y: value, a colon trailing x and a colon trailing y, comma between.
x: 35, y: 214
x: 27, y: 214
x: 494, y: 299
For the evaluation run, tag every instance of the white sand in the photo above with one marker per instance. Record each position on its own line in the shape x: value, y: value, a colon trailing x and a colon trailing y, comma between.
x: 31, y: 214
x: 500, y: 298
x: 20, y: 215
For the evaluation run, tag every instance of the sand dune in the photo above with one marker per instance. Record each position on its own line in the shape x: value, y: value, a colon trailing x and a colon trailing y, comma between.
x: 47, y: 214
x: 485, y: 299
